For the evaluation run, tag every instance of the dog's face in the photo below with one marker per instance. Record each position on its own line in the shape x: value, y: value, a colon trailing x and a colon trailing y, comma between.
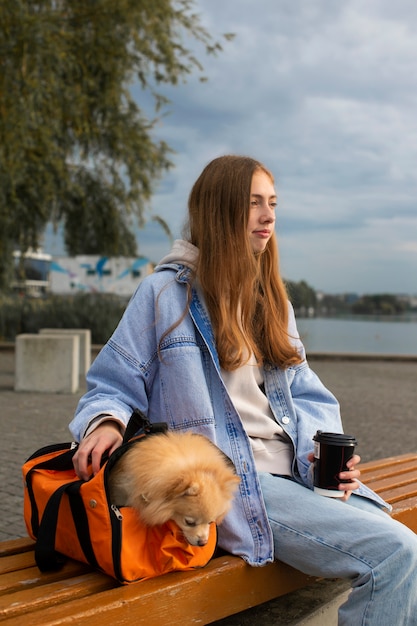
x: 196, y: 507
x: 193, y: 503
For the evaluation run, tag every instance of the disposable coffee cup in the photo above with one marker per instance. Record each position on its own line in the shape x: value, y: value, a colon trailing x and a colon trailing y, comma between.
x: 331, y: 453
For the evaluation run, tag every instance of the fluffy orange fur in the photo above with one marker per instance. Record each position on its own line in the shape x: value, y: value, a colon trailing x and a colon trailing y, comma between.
x: 175, y: 476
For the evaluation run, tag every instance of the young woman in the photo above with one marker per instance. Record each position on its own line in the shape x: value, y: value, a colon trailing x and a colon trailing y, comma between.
x: 209, y: 343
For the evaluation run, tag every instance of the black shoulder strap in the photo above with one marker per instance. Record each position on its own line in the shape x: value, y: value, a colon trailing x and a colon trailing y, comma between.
x: 139, y: 424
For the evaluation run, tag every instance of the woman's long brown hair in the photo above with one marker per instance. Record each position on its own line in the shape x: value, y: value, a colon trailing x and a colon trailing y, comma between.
x: 244, y: 292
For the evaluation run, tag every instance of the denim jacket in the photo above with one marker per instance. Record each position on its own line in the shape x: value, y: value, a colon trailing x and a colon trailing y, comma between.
x: 182, y: 386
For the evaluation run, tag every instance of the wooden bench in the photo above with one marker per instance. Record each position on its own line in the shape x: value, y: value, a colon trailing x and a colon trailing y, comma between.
x: 78, y: 595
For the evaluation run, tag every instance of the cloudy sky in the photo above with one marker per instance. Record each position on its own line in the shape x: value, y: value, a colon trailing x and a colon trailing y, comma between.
x: 324, y: 92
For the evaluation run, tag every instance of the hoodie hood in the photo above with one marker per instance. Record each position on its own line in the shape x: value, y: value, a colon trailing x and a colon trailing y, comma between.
x: 182, y: 253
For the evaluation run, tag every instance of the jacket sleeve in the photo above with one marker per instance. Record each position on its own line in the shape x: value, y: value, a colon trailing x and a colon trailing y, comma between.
x: 119, y: 378
x: 314, y: 407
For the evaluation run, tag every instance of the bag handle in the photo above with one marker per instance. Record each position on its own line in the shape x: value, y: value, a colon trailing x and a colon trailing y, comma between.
x: 61, y: 463
x: 139, y: 425
x: 46, y: 557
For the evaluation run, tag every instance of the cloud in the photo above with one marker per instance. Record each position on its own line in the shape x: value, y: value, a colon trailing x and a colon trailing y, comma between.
x: 324, y: 94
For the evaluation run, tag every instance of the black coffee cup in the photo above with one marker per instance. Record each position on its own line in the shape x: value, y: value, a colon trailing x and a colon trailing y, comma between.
x: 331, y: 453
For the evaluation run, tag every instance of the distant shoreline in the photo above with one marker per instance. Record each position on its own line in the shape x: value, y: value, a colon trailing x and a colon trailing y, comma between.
x: 404, y: 317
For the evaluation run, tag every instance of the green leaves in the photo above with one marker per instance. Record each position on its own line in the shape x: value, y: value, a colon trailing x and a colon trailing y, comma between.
x: 74, y: 146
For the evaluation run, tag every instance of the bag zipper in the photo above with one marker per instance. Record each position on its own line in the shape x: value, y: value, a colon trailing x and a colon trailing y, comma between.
x: 116, y: 512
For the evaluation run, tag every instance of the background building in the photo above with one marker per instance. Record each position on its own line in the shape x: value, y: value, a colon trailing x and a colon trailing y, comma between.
x: 98, y: 274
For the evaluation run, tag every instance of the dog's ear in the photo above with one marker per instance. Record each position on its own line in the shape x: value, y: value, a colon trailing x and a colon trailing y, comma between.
x: 182, y: 487
x: 144, y: 498
x: 229, y: 485
x: 193, y: 489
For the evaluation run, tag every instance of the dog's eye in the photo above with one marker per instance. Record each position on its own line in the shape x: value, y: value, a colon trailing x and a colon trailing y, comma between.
x: 190, y: 522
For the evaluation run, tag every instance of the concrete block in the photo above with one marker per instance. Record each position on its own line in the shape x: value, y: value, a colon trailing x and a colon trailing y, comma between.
x: 47, y: 363
x: 325, y: 614
x: 85, y: 344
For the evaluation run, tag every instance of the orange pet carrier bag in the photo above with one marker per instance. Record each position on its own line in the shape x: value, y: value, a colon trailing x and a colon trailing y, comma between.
x: 72, y: 518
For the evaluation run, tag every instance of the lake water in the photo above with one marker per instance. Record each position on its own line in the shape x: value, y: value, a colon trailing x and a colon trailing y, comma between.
x: 358, y: 336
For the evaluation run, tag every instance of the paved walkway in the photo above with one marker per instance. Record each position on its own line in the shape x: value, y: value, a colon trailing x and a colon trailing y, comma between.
x: 378, y: 400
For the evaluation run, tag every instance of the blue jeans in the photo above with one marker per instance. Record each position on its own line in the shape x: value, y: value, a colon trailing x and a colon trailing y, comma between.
x: 355, y: 540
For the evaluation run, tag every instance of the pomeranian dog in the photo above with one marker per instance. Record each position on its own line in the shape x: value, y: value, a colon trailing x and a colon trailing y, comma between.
x: 175, y: 476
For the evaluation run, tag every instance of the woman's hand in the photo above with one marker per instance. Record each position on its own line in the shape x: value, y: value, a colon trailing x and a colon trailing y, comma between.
x: 352, y: 474
x: 105, y: 438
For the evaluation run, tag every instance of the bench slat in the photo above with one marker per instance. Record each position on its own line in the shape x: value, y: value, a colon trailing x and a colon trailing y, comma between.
x: 389, y: 466
x: 16, y: 546
x: 28, y: 600
x: 389, y: 461
x: 226, y: 585
x: 386, y: 483
x: 394, y: 494
x: 386, y: 473
x: 16, y: 562
x: 14, y: 580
